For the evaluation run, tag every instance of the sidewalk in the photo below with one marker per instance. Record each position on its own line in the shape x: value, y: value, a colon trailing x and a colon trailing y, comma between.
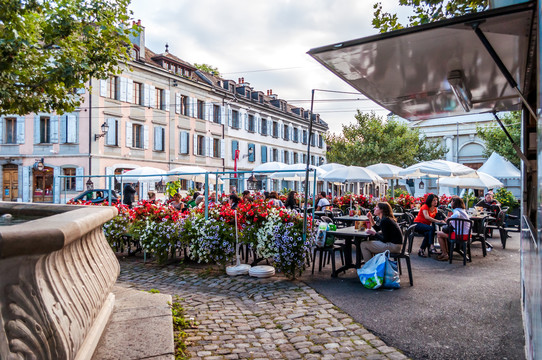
x: 250, y: 318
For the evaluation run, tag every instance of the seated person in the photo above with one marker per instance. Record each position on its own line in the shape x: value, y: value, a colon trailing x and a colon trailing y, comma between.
x: 99, y: 195
x: 151, y: 197
x: 459, y: 212
x: 424, y: 224
x: 274, y: 199
x: 390, y: 238
x: 192, y: 203
x: 323, y: 202
x: 233, y: 201
x: 490, y: 204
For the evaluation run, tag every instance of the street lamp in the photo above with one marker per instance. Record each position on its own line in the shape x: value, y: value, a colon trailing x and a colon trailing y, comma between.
x: 90, y: 184
x: 105, y: 129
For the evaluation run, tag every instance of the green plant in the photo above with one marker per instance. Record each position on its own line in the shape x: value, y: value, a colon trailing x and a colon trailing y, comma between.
x: 173, y: 187
x: 469, y: 199
x: 506, y: 198
x: 154, y: 291
x: 397, y: 192
x: 285, y: 191
x: 180, y: 324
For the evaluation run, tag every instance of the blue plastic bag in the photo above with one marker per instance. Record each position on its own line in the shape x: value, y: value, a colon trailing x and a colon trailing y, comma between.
x: 391, y: 275
x: 372, y: 273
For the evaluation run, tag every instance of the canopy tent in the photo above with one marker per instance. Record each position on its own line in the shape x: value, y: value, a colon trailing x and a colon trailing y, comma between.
x: 192, y: 173
x: 481, y: 180
x: 500, y: 168
x: 144, y: 174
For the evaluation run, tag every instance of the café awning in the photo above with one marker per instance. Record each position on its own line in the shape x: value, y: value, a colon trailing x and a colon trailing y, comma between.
x: 439, y: 69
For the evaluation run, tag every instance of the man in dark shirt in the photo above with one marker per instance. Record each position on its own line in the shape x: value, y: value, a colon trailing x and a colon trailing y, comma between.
x: 490, y: 204
x: 129, y: 193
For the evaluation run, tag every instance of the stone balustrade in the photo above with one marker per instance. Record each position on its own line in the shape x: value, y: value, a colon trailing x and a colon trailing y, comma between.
x: 56, y: 276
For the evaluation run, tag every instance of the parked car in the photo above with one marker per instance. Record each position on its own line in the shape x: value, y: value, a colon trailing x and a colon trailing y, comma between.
x: 96, y: 196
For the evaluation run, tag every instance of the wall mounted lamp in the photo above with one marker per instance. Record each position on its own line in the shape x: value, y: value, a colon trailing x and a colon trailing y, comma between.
x: 250, y: 152
x: 421, y: 185
x: 457, y: 80
x: 105, y: 129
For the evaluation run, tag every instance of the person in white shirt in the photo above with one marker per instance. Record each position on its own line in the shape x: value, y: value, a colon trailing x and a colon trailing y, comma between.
x: 458, y: 207
x: 323, y: 202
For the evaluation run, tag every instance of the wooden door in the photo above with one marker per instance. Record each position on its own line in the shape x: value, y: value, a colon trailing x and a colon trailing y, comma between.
x: 43, y: 185
x: 11, y: 183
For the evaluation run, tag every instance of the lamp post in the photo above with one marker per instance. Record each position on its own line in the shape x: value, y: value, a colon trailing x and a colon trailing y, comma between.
x: 104, y: 128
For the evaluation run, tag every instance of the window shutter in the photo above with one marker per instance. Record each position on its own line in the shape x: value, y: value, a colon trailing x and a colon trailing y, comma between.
x: 20, y: 129
x: 54, y: 129
x: 130, y: 90
x: 258, y: 123
x: 222, y: 148
x: 184, y: 142
x: 269, y: 127
x: 177, y: 103
x: 79, y: 172
x: 152, y: 96
x: 245, y: 116
x: 263, y: 150
x: 195, y: 144
x: 129, y: 134
x: 291, y: 158
x: 166, y: 100
x: 71, y: 128
x: 230, y: 115
x: 193, y: 107
x: 211, y: 147
x: 103, y: 87
x: 36, y: 129
x: 123, y: 85
x: 146, y: 95
x: 56, y: 184
x: 207, y: 146
x: 252, y: 155
x: 145, y: 136
x: 63, y: 129
x: 111, y: 133
x: 26, y: 183
x: 208, y: 108
x: 2, y: 126
x: 234, y: 146
x: 157, y: 137
x: 222, y: 114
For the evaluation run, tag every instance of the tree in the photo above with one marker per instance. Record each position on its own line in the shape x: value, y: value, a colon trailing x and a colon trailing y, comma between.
x: 425, y: 11
x: 48, y: 49
x: 373, y: 139
x: 207, y: 68
x: 495, y: 140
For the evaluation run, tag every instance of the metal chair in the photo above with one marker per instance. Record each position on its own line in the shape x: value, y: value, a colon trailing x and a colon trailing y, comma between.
x: 328, y: 250
x: 462, y: 235
x: 408, y: 240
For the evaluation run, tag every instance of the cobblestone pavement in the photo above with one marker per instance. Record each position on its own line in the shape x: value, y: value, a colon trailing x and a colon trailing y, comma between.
x: 249, y: 318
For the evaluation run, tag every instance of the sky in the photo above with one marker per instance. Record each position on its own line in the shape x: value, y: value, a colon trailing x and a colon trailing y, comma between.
x: 266, y: 42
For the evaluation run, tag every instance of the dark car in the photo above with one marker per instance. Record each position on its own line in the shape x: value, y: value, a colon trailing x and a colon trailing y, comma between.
x: 96, y: 196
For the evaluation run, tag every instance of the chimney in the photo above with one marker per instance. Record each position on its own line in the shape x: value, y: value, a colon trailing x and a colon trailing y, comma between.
x: 270, y: 91
x: 242, y: 80
x: 141, y: 43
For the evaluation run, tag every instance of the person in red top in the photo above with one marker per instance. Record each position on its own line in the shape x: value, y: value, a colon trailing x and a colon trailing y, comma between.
x: 424, y: 225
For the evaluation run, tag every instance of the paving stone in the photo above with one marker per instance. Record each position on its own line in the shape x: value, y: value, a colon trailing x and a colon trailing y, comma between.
x: 251, y: 318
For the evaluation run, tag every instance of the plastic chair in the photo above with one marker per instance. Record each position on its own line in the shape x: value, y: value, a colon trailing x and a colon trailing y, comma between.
x: 328, y: 250
x: 462, y: 235
x: 408, y: 240
x: 500, y: 225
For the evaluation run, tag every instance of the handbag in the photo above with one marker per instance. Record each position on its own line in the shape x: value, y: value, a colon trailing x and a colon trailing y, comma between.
x: 391, y: 275
x: 447, y: 229
x: 372, y: 273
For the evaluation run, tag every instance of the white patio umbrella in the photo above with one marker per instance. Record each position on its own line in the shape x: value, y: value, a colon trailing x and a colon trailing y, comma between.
x: 352, y: 174
x: 299, y: 174
x: 192, y: 173
x: 436, y: 167
x: 144, y: 174
x: 387, y: 171
x: 269, y: 166
x: 481, y: 181
x: 331, y: 166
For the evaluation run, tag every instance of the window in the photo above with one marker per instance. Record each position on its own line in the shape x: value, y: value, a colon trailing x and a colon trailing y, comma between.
x: 312, y: 160
x: 235, y: 119
x: 138, y: 93
x: 286, y: 133
x: 251, y: 124
x: 320, y: 141
x: 275, y: 129
x: 45, y: 130
x: 201, y: 110
x: 313, y: 138
x: 137, y: 136
x: 11, y: 131
x: 296, y: 135
x: 159, y: 99
x: 264, y: 126
x: 159, y: 138
x: 286, y: 157
x: 184, y: 105
x: 113, y: 87
x: 275, y: 155
x: 216, y: 148
x: 216, y: 114
x: 69, y: 182
x: 296, y: 158
x: 201, y: 145
x: 304, y: 139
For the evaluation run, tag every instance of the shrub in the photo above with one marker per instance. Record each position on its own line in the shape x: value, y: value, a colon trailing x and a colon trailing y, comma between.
x: 506, y: 198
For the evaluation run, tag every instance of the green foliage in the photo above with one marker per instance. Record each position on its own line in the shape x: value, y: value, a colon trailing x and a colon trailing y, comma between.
x: 50, y: 48
x: 373, y: 139
x: 469, y: 199
x: 506, y: 198
x: 425, y: 11
x: 180, y: 324
x: 285, y: 191
x: 173, y: 187
x: 154, y: 291
x: 495, y: 140
x: 397, y: 192
x: 208, y: 69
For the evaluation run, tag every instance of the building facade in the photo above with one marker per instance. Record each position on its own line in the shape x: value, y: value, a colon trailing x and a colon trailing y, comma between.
x: 160, y: 112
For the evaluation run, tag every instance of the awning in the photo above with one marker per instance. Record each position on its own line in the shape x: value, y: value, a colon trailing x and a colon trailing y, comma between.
x: 409, y: 71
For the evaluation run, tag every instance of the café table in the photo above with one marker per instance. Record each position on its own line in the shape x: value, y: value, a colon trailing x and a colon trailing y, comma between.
x: 350, y: 235
x: 479, y: 230
x: 351, y: 219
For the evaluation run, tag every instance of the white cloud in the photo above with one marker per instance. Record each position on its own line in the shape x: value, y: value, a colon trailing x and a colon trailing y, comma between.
x: 241, y: 37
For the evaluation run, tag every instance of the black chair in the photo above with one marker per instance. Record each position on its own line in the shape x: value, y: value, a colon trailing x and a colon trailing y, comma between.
x: 408, y: 240
x: 479, y: 233
x: 462, y: 235
x: 500, y: 225
x: 328, y: 251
